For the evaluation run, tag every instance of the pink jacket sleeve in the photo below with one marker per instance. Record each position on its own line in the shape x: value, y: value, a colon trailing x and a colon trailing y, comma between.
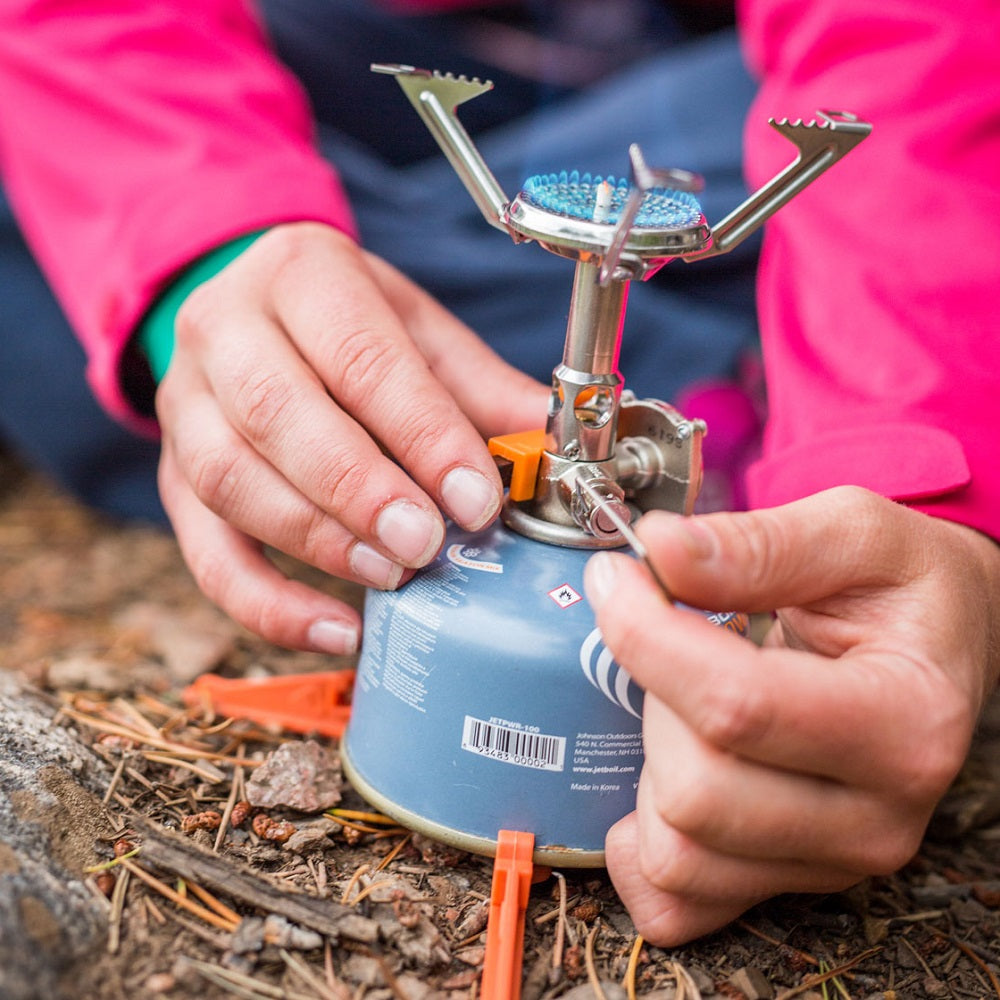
x: 879, y: 285
x: 135, y: 136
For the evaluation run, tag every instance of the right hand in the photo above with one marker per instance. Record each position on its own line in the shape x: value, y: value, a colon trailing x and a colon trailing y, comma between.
x: 817, y: 760
x: 321, y: 404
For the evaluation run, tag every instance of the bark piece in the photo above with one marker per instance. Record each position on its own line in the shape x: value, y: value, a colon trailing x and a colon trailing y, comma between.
x: 179, y: 856
x: 50, y: 818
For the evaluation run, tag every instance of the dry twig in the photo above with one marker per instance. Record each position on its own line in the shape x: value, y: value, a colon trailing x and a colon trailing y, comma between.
x: 117, y: 908
x: 560, y: 934
x: 231, y: 801
x: 300, y: 969
x: 821, y: 977
x: 970, y: 954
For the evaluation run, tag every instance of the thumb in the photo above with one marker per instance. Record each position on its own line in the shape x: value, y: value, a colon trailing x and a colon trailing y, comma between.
x: 801, y: 552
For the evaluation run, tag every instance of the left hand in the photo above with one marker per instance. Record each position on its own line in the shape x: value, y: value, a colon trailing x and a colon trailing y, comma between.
x: 817, y: 760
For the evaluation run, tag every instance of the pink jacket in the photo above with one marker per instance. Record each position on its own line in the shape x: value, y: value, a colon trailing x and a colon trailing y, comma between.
x: 876, y: 285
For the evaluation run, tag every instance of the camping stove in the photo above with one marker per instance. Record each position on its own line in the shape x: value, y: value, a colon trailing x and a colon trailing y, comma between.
x: 485, y: 698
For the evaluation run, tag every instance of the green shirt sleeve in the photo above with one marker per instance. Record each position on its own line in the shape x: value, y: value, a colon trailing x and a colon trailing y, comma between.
x: 156, y: 332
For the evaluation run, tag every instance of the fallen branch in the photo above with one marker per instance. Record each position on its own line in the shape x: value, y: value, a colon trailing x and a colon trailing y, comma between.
x: 172, y: 853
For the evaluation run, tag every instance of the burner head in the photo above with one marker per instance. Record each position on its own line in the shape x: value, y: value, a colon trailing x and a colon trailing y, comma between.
x: 602, y: 199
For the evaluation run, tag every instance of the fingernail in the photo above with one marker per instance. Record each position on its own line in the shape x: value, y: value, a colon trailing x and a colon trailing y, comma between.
x: 330, y: 636
x: 372, y: 566
x: 413, y: 535
x: 471, y: 499
x: 599, y: 577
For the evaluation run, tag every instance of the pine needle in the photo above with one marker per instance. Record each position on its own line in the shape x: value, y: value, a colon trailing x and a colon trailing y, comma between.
x: 164, y: 890
x: 633, y: 964
x: 595, y: 982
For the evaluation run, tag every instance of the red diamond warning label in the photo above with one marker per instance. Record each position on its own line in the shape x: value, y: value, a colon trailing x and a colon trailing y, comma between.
x: 565, y: 596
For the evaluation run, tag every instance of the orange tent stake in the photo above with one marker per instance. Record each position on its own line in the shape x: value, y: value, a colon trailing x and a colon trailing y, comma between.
x: 304, y: 703
x: 512, y: 869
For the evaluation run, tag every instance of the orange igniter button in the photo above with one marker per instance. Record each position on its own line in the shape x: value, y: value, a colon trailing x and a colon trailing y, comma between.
x: 524, y: 451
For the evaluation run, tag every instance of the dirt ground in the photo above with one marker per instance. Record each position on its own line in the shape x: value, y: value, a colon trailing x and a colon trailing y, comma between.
x: 106, y: 619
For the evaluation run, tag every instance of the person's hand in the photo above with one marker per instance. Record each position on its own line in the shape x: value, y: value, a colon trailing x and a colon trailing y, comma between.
x: 805, y: 765
x: 319, y: 403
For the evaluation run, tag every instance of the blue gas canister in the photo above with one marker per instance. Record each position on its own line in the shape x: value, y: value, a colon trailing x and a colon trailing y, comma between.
x: 485, y: 699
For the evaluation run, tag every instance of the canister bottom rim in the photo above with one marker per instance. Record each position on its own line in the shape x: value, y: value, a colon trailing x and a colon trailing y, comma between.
x: 550, y: 855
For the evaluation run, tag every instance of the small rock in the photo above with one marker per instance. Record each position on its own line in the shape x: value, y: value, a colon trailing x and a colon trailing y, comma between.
x: 244, y: 964
x: 81, y: 670
x: 752, y: 983
x: 876, y: 930
x: 461, y: 980
x: 968, y: 912
x: 282, y: 932
x: 904, y: 957
x: 191, y: 642
x: 299, y: 775
x: 702, y: 980
x: 474, y: 921
x: 361, y: 970
x: 413, y: 988
x: 310, y: 837
x: 248, y: 936
x: 474, y: 956
x: 387, y: 886
x: 161, y: 982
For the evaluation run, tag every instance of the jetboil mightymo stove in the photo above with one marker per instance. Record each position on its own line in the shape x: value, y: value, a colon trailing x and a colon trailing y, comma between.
x: 485, y: 699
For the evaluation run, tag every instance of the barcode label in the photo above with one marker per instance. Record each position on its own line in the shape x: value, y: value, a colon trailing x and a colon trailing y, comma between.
x: 513, y: 746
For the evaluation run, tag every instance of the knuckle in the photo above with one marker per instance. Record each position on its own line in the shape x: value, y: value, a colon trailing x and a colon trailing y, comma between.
x: 365, y: 358
x: 935, y: 755
x: 927, y: 774
x: 310, y: 541
x: 892, y: 849
x: 875, y: 524
x: 426, y: 433
x: 857, y: 496
x: 264, y: 402
x: 287, y: 245
x: 267, y: 617
x: 212, y: 573
x: 670, y: 869
x: 734, y: 716
x: 341, y: 480
x: 761, y: 539
x: 685, y: 801
x: 196, y: 315
x: 215, y: 477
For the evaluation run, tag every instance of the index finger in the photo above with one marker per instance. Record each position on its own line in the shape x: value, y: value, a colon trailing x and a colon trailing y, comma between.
x: 338, y: 318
